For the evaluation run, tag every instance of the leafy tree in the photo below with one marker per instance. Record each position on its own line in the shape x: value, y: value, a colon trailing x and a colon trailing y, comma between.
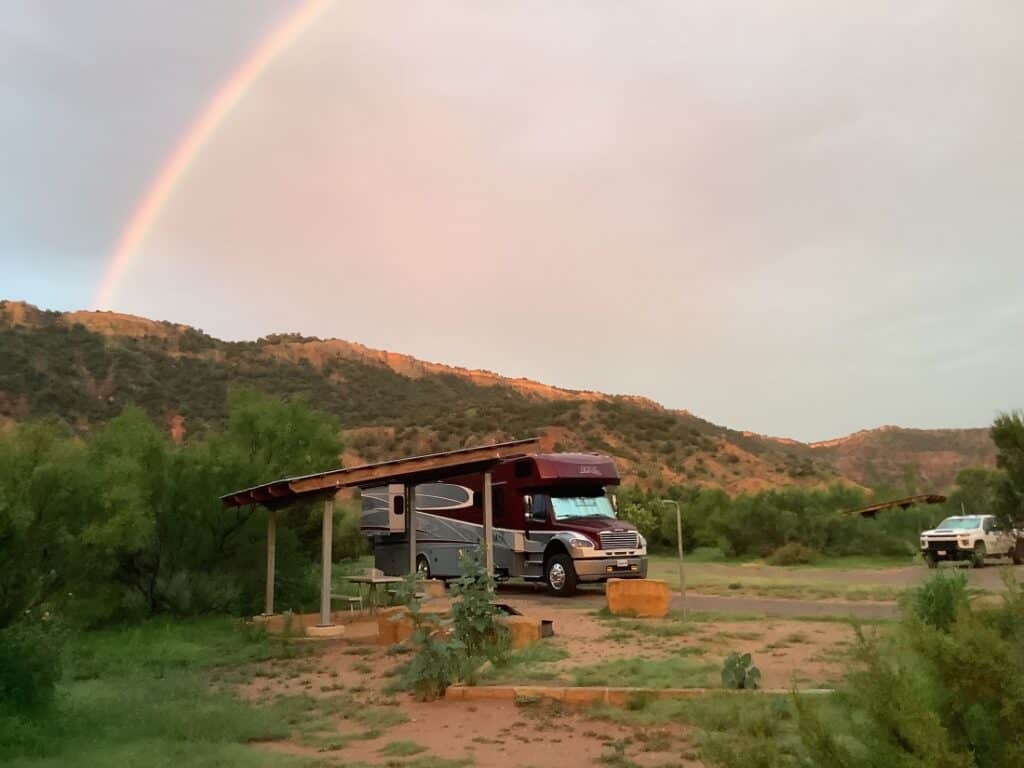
x: 1008, y: 435
x: 45, y: 491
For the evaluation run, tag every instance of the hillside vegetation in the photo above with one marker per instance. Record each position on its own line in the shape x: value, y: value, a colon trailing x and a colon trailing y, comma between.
x: 83, y: 368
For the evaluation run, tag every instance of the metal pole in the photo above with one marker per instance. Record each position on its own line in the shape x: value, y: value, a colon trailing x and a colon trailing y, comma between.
x: 327, y: 535
x: 488, y: 525
x: 268, y: 603
x: 679, y: 540
x: 410, y: 512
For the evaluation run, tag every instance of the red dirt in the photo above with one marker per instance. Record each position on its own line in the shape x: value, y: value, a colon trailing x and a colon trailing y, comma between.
x: 502, y: 733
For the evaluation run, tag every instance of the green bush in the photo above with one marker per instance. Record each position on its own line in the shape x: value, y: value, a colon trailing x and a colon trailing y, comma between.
x: 793, y: 553
x: 929, y: 695
x: 30, y: 664
x: 439, y: 659
x: 939, y: 600
x: 474, y: 613
x: 447, y: 651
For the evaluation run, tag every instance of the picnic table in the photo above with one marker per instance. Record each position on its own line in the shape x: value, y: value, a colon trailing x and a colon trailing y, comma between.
x: 373, y: 581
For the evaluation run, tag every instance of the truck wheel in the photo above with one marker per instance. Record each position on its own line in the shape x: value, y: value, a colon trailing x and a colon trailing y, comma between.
x: 978, y: 559
x: 560, y: 575
x: 930, y: 561
x: 423, y: 567
x: 1017, y: 555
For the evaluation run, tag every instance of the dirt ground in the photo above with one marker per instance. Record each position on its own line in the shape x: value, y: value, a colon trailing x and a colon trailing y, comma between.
x: 788, y: 652
x: 374, y: 725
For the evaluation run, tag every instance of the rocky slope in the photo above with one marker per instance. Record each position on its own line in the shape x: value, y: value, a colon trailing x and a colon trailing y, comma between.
x: 83, y: 367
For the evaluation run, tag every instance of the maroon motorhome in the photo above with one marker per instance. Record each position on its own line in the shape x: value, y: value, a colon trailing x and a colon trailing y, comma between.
x: 554, y: 520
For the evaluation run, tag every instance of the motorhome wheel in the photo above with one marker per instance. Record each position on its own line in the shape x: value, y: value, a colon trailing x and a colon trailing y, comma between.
x: 422, y: 567
x: 560, y: 575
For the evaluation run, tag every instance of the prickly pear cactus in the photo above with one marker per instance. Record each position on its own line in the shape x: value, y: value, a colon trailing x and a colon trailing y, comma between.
x: 739, y: 672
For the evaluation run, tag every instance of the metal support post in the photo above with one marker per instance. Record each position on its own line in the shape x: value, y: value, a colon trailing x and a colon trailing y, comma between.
x: 410, y: 512
x: 488, y: 525
x: 327, y: 535
x: 268, y: 602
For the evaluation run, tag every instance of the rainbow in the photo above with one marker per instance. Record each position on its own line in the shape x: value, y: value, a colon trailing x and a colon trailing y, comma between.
x: 199, y: 132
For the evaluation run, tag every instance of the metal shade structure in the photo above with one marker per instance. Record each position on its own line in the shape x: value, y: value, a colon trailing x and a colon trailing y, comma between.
x: 410, y: 472
x: 873, y: 509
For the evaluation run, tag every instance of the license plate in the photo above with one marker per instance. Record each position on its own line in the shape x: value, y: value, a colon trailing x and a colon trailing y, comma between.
x: 622, y: 563
x: 942, y: 551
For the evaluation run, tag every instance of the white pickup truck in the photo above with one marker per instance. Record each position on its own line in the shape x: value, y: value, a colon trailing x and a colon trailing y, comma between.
x: 971, y: 538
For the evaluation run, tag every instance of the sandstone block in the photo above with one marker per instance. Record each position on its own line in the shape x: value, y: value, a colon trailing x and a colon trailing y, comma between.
x: 523, y: 630
x: 638, y: 597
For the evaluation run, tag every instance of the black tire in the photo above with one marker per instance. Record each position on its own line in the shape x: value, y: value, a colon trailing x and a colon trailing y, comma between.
x: 978, y: 558
x: 560, y: 575
x: 423, y: 566
x: 930, y: 561
x: 1017, y: 556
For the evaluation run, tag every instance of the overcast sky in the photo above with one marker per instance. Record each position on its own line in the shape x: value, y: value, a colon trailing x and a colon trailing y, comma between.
x: 801, y: 218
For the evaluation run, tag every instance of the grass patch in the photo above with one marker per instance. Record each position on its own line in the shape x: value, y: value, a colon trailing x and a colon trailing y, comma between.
x: 729, y: 730
x: 677, y: 671
x: 139, y: 696
x: 663, y: 565
x: 527, y: 665
x: 430, y: 761
x: 796, y: 590
x: 667, y: 627
x: 401, y: 749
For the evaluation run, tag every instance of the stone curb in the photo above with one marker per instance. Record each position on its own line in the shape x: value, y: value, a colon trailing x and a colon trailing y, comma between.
x: 618, y: 697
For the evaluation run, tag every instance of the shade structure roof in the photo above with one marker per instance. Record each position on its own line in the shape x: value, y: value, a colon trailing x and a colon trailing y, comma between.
x: 409, y: 470
x: 873, y: 509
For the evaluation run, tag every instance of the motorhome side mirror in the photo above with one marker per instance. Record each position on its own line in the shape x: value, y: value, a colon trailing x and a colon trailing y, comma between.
x: 615, y: 502
x: 528, y: 503
x: 399, y: 505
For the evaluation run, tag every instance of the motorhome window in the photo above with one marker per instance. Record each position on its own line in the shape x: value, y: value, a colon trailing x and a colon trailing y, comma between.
x: 540, y: 507
x: 523, y: 469
x: 568, y: 507
x: 960, y: 523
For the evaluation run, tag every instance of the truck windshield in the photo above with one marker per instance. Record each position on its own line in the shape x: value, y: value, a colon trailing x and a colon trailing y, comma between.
x: 960, y: 523
x: 567, y: 507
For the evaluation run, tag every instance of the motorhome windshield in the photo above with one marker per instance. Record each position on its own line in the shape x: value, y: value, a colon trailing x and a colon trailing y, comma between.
x: 568, y: 507
x: 960, y: 523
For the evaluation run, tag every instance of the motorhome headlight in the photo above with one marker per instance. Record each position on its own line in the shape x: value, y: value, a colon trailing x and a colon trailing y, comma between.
x: 642, y: 541
x: 581, y: 542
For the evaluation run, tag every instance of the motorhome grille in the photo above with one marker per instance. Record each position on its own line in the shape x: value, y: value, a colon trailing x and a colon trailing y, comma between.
x: 618, y: 540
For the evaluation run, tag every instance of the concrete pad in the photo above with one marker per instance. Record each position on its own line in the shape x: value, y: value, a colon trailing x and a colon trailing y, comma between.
x: 648, y: 598
x: 296, y: 623
x: 329, y: 631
